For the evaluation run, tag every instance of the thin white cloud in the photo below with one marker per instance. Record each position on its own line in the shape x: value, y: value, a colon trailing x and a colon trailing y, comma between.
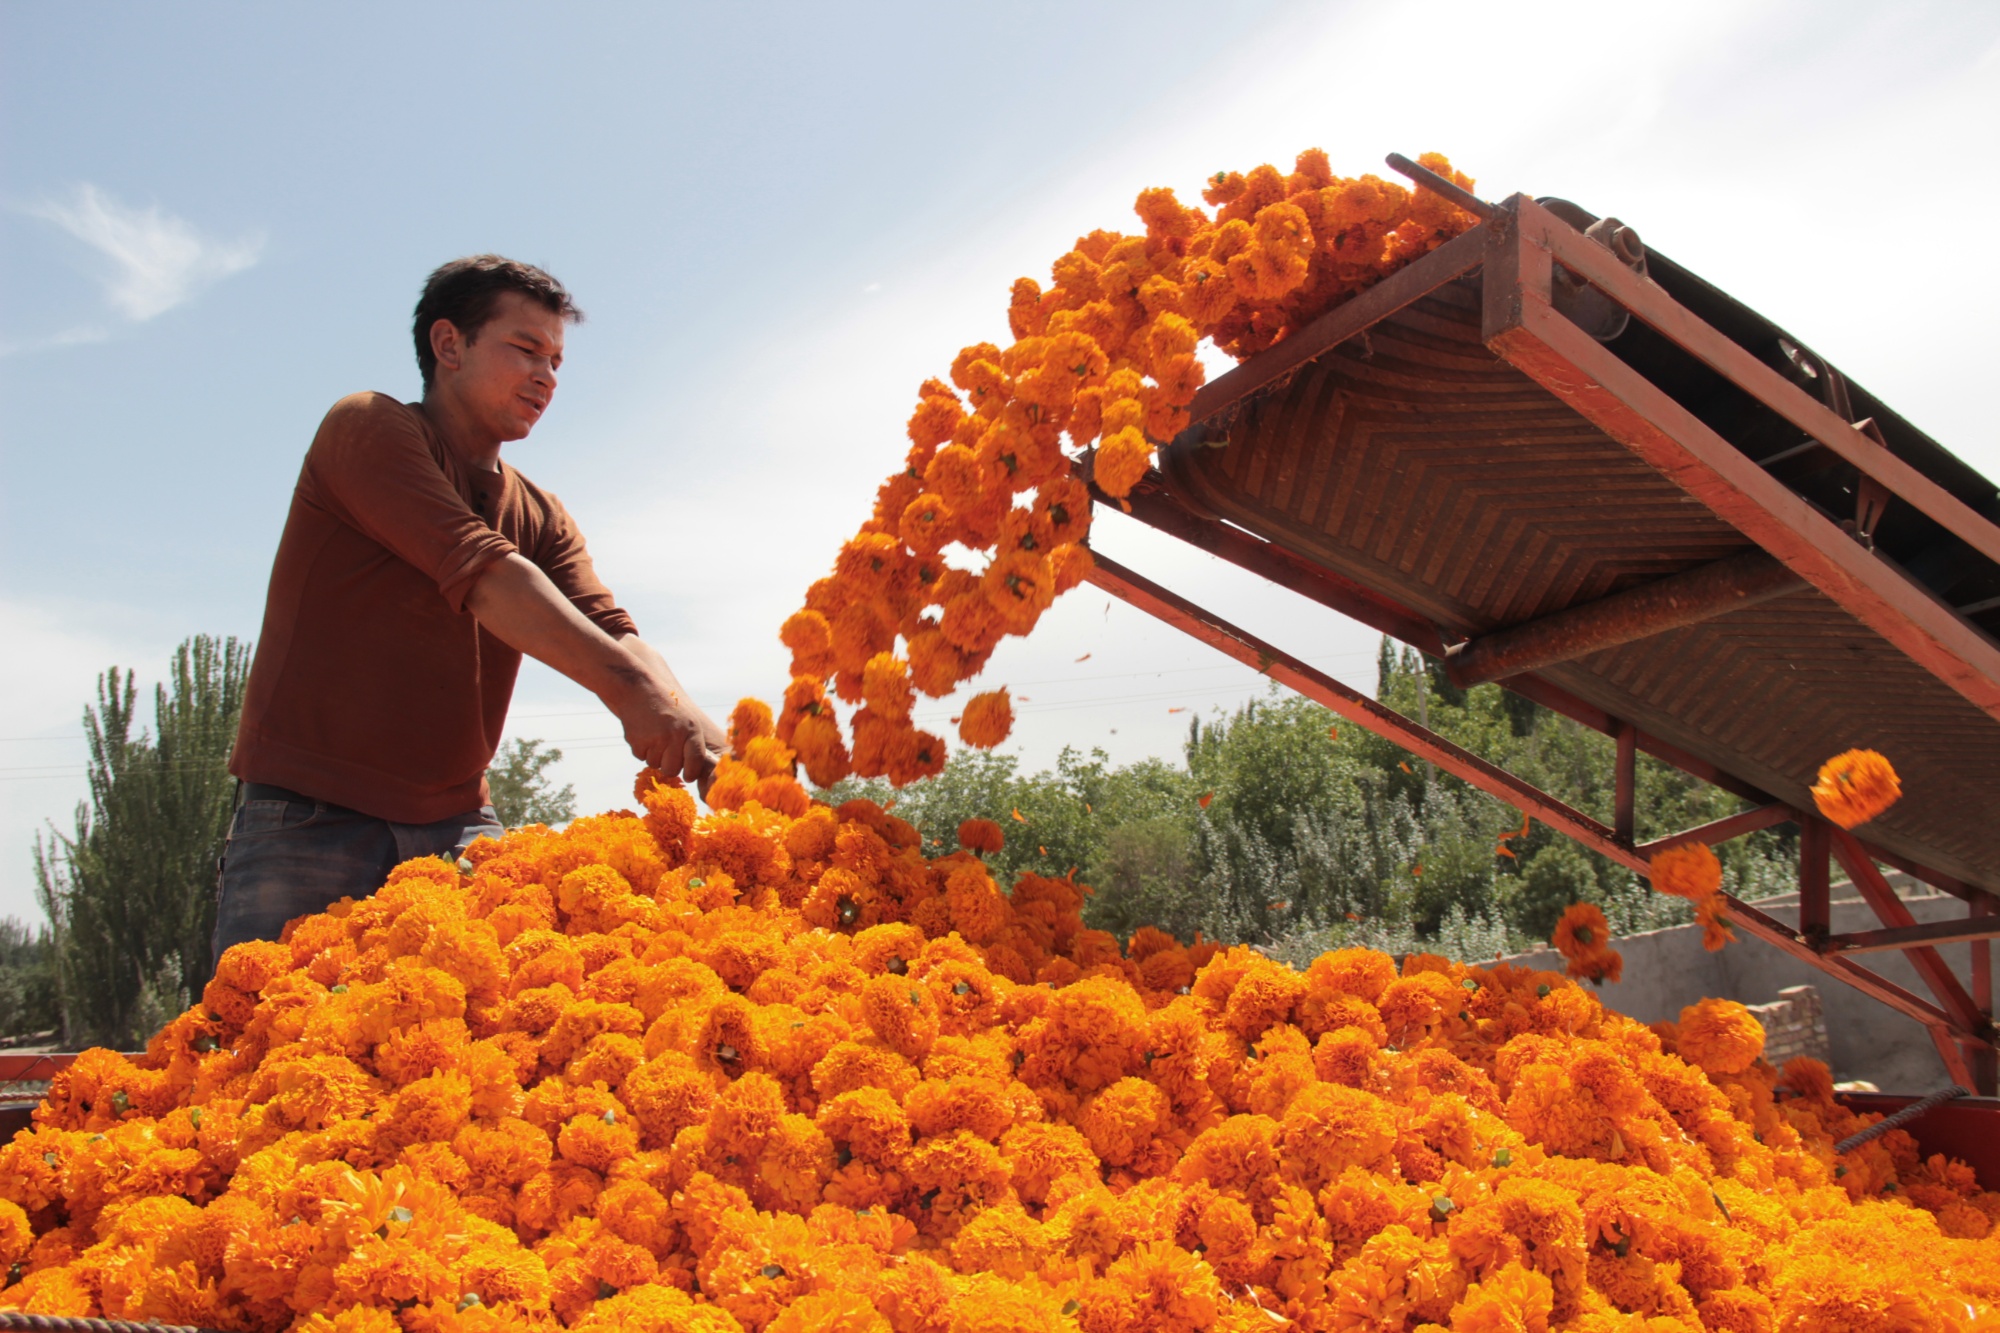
x: 158, y: 259
x: 88, y: 333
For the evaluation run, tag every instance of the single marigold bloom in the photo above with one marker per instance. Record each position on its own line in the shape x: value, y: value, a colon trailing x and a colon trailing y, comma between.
x: 1583, y: 938
x: 971, y: 622
x: 885, y: 683
x: 1122, y: 459
x: 980, y: 835
x: 987, y: 720
x: 1721, y: 1036
x: 1072, y: 565
x: 956, y: 478
x: 1019, y: 586
x: 1689, y: 871
x: 1025, y: 315
x: 1856, y: 786
x: 1086, y: 417
x: 1064, y: 506
x: 810, y: 637
x: 1712, y: 914
x: 925, y: 524
x: 937, y: 415
x: 1807, y: 1078
x: 749, y: 720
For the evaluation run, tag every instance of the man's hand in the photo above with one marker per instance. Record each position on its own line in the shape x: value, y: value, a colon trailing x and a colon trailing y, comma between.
x: 663, y: 726
x: 518, y: 605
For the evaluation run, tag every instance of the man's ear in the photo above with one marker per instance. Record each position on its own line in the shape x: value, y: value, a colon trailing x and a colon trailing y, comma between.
x: 447, y: 344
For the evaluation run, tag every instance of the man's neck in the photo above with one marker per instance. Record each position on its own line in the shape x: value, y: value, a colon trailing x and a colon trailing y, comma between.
x: 461, y: 435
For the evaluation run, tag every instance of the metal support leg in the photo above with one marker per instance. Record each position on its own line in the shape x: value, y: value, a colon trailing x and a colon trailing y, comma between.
x: 1815, y: 888
x: 1985, y: 1065
x: 1624, y: 819
x: 1961, y: 1049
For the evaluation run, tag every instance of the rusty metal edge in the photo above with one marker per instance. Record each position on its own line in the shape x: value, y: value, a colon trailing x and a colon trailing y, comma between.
x: 1650, y: 303
x: 1522, y: 327
x: 1457, y: 256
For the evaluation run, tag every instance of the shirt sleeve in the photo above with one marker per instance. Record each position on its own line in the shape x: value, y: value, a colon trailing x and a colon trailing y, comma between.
x: 373, y: 466
x: 562, y: 556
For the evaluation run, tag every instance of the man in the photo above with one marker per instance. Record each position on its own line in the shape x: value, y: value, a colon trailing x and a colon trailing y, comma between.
x: 415, y: 569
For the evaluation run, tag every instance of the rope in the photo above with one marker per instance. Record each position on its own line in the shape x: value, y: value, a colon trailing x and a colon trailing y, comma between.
x: 1901, y: 1118
x: 49, y: 1323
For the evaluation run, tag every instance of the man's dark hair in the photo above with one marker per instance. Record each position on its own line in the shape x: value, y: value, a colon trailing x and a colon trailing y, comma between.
x: 465, y: 290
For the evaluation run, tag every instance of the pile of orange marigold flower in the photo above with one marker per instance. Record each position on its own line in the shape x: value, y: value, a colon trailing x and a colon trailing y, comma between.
x: 773, y: 1069
x: 1101, y: 369
x: 766, y: 1070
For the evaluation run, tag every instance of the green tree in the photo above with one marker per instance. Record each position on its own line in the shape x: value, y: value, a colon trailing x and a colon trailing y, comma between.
x: 1552, y: 878
x: 28, y: 1001
x: 1289, y: 829
x: 1064, y: 816
x: 130, y: 895
x: 521, y: 788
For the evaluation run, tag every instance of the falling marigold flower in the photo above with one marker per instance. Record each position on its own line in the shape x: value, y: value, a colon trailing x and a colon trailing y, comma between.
x: 810, y: 638
x: 987, y: 720
x: 1019, y: 586
x: 925, y: 524
x: 1583, y: 938
x: 885, y: 684
x: 1856, y: 786
x: 1690, y: 870
x: 1122, y: 459
x: 1071, y: 564
x: 980, y: 835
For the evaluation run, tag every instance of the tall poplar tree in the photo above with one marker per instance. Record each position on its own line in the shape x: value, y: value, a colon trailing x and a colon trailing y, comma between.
x: 130, y: 894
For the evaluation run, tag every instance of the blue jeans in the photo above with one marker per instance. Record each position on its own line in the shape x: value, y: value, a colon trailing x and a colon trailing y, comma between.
x: 287, y: 859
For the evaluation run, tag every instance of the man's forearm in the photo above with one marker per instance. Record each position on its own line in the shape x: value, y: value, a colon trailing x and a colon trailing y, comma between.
x: 518, y: 605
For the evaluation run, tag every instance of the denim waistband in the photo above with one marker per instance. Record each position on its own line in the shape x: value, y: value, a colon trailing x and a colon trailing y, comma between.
x: 264, y: 791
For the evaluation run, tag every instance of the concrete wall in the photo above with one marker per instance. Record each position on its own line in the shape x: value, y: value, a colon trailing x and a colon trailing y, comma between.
x: 1667, y: 970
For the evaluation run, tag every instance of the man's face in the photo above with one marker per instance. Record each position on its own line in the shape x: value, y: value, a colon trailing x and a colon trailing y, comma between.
x: 504, y: 378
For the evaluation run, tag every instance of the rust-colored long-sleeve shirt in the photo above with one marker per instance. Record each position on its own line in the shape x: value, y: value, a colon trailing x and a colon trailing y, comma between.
x: 373, y: 688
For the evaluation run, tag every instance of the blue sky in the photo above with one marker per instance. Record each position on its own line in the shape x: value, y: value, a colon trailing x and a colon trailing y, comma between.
x: 214, y: 219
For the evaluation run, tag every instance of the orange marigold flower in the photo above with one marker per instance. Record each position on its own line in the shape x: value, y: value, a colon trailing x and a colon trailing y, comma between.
x: 1855, y: 786
x: 1019, y: 585
x: 1072, y: 565
x: 885, y: 683
x: 1689, y: 871
x: 980, y: 835
x: 1122, y: 459
x: 1064, y: 506
x: 1583, y: 938
x: 750, y: 719
x: 1721, y: 1036
x: 926, y: 523
x: 955, y: 477
x: 987, y: 720
x: 1712, y: 914
x: 937, y: 416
